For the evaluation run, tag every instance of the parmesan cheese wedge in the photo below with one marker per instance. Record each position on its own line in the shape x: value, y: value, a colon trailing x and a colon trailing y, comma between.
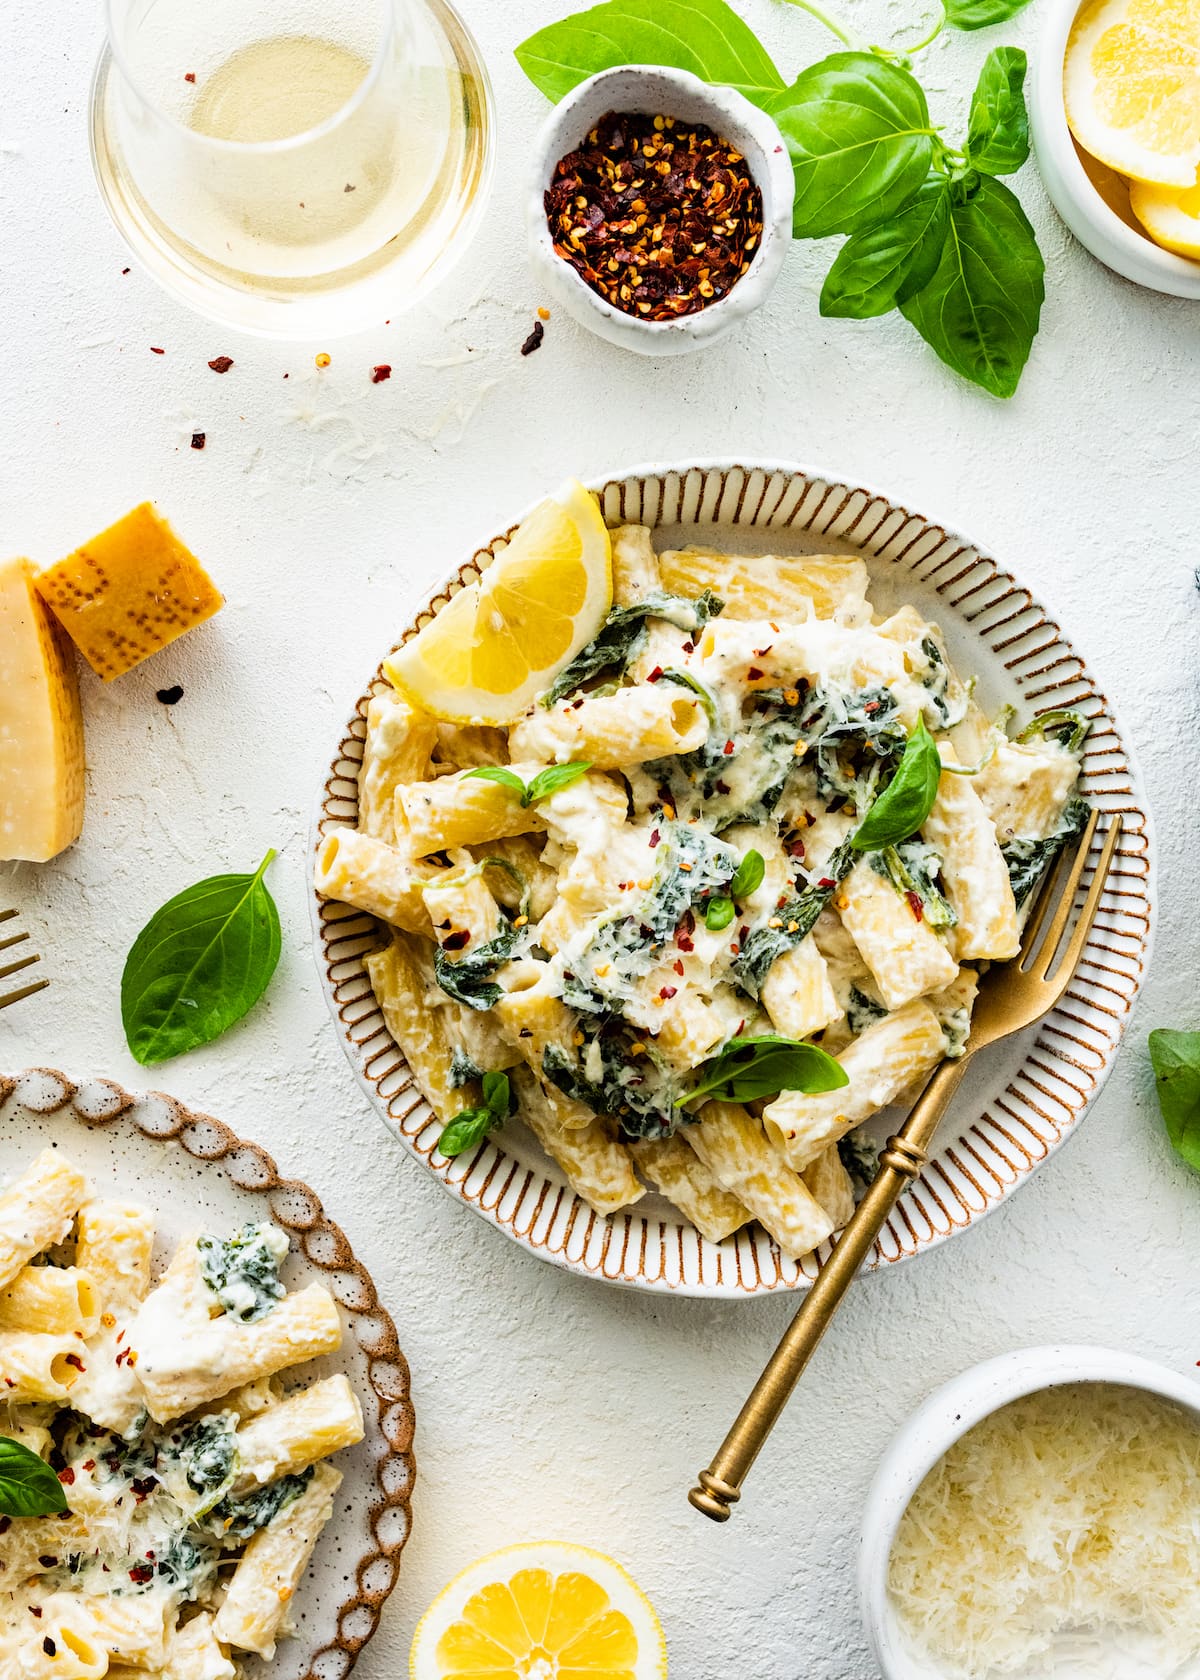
x: 41, y: 725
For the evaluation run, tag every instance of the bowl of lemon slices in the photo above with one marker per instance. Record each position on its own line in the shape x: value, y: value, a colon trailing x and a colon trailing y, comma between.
x: 1115, y: 109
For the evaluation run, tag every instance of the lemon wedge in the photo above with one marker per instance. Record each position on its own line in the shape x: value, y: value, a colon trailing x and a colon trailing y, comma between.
x: 1131, y: 82
x: 547, y: 1611
x: 499, y: 642
x: 1170, y: 217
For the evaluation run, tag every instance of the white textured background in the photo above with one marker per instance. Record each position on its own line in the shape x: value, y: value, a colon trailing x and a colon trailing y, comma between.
x: 548, y: 1405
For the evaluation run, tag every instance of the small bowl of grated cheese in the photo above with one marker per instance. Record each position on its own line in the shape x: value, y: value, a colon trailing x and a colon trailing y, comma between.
x: 1038, y: 1518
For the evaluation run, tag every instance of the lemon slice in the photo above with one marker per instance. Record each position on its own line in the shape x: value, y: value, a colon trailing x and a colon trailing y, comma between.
x: 1171, y: 218
x: 499, y: 642
x: 1131, y: 82
x: 548, y: 1611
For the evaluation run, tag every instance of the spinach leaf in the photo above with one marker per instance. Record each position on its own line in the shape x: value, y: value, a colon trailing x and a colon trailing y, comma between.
x: 469, y: 979
x: 243, y: 1270
x: 980, y: 312
x: 858, y: 133
x: 28, y: 1486
x: 463, y: 1069
x: 891, y: 260
x: 622, y: 635
x: 1175, y: 1058
x: 1069, y: 728
x: 796, y: 920
x: 860, y: 1158
x: 998, y: 128
x: 1028, y: 860
x: 907, y: 799
x: 913, y: 868
x: 199, y: 964
x: 541, y: 786
x: 240, y: 1517
x: 472, y: 1125
x: 703, y: 36
x: 981, y: 14
x: 749, y: 1068
x: 207, y: 1454
x: 636, y: 1085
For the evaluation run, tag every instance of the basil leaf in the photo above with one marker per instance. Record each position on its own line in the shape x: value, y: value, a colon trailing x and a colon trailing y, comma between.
x: 28, y: 1486
x: 550, y: 781
x: 980, y: 311
x: 1175, y: 1058
x: 998, y: 129
x: 719, y: 914
x: 622, y: 634
x: 749, y: 874
x: 888, y: 262
x: 496, y: 1095
x: 981, y: 14
x: 857, y: 130
x: 703, y: 36
x: 199, y: 964
x: 907, y: 799
x: 467, y: 1129
x: 749, y: 1068
x: 796, y: 919
x: 502, y: 777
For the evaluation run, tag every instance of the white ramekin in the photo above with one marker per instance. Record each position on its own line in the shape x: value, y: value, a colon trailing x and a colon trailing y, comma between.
x: 1077, y: 201
x: 935, y: 1426
x: 673, y: 93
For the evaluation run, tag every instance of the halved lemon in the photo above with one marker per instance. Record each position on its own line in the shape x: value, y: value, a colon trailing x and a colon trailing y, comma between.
x: 1131, y: 82
x: 547, y: 1611
x: 499, y: 642
x: 1170, y: 217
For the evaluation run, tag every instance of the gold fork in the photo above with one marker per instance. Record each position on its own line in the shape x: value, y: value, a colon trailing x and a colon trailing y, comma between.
x: 1012, y: 996
x: 24, y: 961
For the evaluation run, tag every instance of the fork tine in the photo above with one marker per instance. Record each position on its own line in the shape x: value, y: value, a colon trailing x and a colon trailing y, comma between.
x: 13, y: 939
x: 7, y: 915
x: 1047, y: 893
x: 1087, y: 915
x: 15, y: 967
x: 23, y: 992
x: 1042, y: 963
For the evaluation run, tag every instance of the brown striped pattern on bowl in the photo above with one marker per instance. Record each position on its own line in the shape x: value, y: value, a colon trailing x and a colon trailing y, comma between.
x: 1010, y: 1115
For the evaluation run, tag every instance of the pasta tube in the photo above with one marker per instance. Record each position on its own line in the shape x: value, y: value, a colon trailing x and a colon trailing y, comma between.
x: 634, y: 565
x: 682, y: 1177
x: 609, y: 731
x: 905, y: 956
x: 464, y: 811
x: 268, y: 1573
x: 113, y: 1246
x: 60, y: 1299
x: 973, y: 870
x: 296, y: 1432
x: 373, y: 876
x: 596, y: 1165
x: 770, y: 585
x: 36, y: 1210
x: 740, y: 1156
x: 399, y: 741
x: 39, y: 1367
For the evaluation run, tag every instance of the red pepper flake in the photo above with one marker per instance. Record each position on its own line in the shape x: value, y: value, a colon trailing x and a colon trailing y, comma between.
x: 5, y: 1525
x: 49, y: 1646
x: 727, y: 748
x: 189, y: 76
x: 141, y: 1573
x: 380, y: 372
x: 74, y: 1359
x: 575, y: 705
x: 721, y: 787
x: 753, y: 674
x: 67, y: 1477
x: 534, y: 341
x: 125, y: 271
x: 915, y: 904
x: 655, y: 674
x: 661, y: 217
x: 678, y: 967
x: 667, y: 993
x: 872, y: 706
x: 89, y: 1464
x: 761, y: 653
x: 826, y: 882
x: 655, y: 837
x: 156, y: 351
x: 221, y: 364
x: 795, y: 848
x: 199, y: 439
x: 685, y: 943
x: 456, y: 941
x: 689, y: 647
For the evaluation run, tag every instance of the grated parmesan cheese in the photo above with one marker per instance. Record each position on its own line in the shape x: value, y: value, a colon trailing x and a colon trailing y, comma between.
x: 1071, y: 1513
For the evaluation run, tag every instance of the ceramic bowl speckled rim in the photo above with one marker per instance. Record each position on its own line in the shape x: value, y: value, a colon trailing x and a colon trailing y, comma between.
x: 1019, y: 1100
x: 193, y: 1170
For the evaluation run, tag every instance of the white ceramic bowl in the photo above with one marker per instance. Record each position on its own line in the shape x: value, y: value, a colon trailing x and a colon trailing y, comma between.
x: 1093, y: 222
x: 673, y: 93
x: 935, y: 1426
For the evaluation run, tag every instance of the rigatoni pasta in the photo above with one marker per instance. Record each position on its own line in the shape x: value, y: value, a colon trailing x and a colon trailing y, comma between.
x: 665, y: 864
x: 196, y: 1486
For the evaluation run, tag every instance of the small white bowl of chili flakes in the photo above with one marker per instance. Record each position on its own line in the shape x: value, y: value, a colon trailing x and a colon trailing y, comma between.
x: 660, y: 208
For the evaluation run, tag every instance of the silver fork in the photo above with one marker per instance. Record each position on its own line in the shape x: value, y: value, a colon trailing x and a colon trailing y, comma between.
x: 25, y: 960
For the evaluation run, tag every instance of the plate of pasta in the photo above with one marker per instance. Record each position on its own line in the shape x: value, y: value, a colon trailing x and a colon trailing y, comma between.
x: 205, y: 1462
x: 660, y: 859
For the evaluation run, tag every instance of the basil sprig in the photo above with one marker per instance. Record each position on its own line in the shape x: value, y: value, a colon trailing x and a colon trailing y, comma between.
x: 749, y: 1068
x: 199, y: 964
x: 747, y: 878
x: 541, y: 786
x: 1175, y: 1058
x: 472, y: 1125
x: 908, y: 798
x: 932, y: 232
x: 28, y: 1486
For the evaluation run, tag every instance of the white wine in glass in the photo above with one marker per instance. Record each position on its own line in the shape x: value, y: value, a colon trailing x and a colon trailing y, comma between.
x: 294, y: 167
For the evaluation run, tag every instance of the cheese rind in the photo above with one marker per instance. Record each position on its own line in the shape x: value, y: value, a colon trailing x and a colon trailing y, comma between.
x: 129, y: 592
x: 41, y: 725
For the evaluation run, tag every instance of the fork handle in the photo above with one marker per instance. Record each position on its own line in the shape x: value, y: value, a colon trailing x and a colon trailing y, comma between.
x: 720, y: 1486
